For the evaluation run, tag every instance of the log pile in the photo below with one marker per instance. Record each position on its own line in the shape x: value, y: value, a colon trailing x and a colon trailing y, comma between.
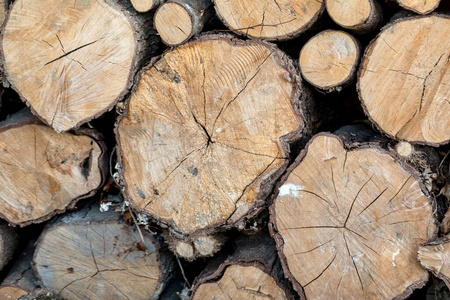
x: 224, y: 149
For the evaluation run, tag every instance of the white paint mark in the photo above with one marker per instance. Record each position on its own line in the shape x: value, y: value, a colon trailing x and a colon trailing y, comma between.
x: 394, y: 255
x: 289, y: 189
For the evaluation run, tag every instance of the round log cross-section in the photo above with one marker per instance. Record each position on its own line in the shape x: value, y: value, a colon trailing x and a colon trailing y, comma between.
x: 269, y: 19
x: 206, y: 132
x: 403, y: 80
x: 351, y: 221
x: 69, y: 60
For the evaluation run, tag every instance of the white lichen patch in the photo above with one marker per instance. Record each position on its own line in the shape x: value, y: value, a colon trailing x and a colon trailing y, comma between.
x: 394, y: 255
x: 290, y: 189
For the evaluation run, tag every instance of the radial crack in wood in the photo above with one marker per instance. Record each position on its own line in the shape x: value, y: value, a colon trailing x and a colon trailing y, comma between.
x: 407, y: 68
x: 269, y: 19
x: 50, y: 174
x: 93, y: 255
x: 76, y: 58
x: 351, y: 221
x: 206, y: 133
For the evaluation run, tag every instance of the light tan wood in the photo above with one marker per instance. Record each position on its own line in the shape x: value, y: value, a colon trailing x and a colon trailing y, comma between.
x: 351, y: 221
x: 69, y: 60
x: 407, y: 68
x: 205, y: 132
x: 269, y: 19
x: 98, y: 257
x: 251, y: 271
x: 43, y: 172
x: 239, y: 282
x: 435, y: 257
x: 146, y: 5
x: 404, y: 149
x: 360, y: 16
x: 191, y: 249
x: 178, y: 20
x: 420, y: 6
x: 12, y: 293
x: 329, y: 59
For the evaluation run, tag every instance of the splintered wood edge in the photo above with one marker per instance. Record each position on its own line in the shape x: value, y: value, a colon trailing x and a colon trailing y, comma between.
x: 220, y: 272
x: 28, y: 119
x: 299, y: 108
x: 428, y: 256
x: 286, y: 37
x: 131, y: 75
x: 273, y: 229
x: 360, y: 70
x: 90, y: 220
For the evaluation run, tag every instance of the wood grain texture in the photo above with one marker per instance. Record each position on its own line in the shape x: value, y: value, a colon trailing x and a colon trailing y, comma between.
x: 403, y: 80
x: 201, y: 151
x: 269, y: 19
x: 435, y: 257
x: 145, y: 5
x: 351, y: 220
x: 48, y: 175
x: 360, y: 16
x: 93, y: 255
x: 330, y: 59
x: 178, y: 20
x: 75, y: 59
x: 420, y: 6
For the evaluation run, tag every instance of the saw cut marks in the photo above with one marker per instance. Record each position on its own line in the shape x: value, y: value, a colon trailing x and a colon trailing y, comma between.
x: 403, y: 80
x: 69, y: 60
x: 269, y: 19
x: 351, y: 221
x: 205, y: 132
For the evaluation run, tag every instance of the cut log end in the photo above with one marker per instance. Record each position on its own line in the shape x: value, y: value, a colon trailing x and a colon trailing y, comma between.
x: 419, y: 6
x: 95, y: 254
x: 241, y: 282
x: 145, y: 5
x: 267, y: 19
x: 329, y: 59
x: 360, y: 16
x: 352, y: 229
x: 55, y: 169
x: 12, y: 293
x: 71, y: 63
x: 174, y: 23
x: 435, y: 257
x: 193, y: 136
x: 201, y: 246
x: 407, y: 67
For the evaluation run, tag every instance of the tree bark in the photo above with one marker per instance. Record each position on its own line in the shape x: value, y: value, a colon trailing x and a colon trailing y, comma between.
x: 44, y: 173
x: 359, y: 16
x: 21, y: 280
x: 203, y: 152
x: 252, y: 271
x: 73, y: 63
x: 146, y: 5
x: 8, y: 243
x: 329, y: 60
x: 350, y: 217
x: 178, y: 20
x: 268, y: 19
x: 89, y: 254
x: 409, y: 72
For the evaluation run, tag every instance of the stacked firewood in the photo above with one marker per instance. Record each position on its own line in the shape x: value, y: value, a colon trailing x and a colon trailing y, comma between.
x: 189, y: 149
